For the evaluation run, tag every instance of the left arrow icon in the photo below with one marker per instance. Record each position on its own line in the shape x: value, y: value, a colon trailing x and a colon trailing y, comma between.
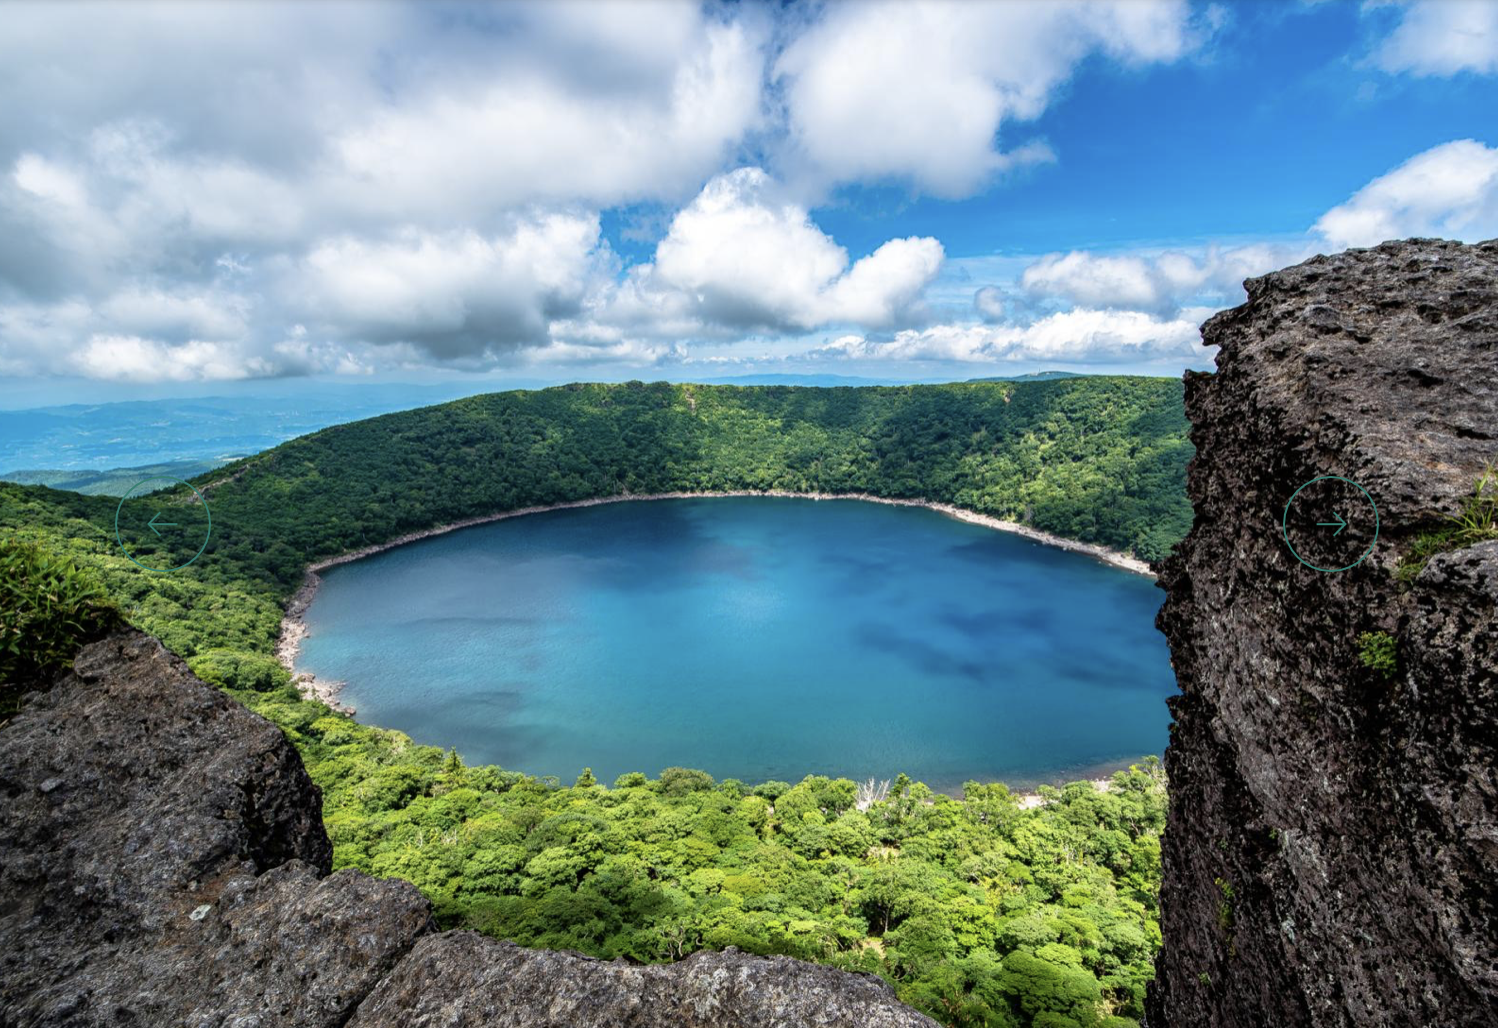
x: 153, y: 524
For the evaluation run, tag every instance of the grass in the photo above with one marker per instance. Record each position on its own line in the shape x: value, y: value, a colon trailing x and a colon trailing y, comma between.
x: 1476, y: 522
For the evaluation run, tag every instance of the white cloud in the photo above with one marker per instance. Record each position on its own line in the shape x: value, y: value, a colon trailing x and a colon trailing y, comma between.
x: 1161, y: 283
x: 535, y: 136
x: 50, y: 182
x: 1075, y: 336
x: 133, y: 359
x: 920, y: 90
x: 742, y: 254
x: 1450, y: 190
x: 205, y: 192
x: 456, y: 295
x: 156, y: 313
x: 201, y: 193
x: 988, y: 302
x: 1443, y: 37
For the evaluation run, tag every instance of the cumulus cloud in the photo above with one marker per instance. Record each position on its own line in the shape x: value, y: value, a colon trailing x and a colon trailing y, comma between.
x: 537, y: 137
x: 271, y: 189
x: 1442, y: 37
x: 988, y: 302
x: 455, y: 295
x: 216, y: 192
x: 920, y: 90
x: 1159, y: 283
x: 1075, y: 336
x: 133, y: 359
x: 741, y: 254
x: 1450, y: 190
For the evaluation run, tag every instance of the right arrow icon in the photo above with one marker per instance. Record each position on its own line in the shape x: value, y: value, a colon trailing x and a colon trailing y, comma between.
x: 1339, y: 523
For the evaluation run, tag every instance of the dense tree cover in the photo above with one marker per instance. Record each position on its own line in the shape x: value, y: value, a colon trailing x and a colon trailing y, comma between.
x: 980, y: 912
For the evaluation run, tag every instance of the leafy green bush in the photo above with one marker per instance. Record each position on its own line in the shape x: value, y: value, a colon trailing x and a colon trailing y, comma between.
x: 233, y: 669
x: 1379, y: 652
x: 49, y: 607
x: 1476, y: 522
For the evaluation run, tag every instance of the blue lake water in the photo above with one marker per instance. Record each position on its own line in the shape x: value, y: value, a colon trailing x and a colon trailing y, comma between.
x: 753, y: 638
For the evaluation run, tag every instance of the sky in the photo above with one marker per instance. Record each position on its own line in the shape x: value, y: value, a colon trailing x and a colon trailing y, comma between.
x: 199, y: 198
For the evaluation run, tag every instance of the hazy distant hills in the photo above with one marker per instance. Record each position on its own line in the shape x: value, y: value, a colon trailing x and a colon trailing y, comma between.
x: 1034, y: 376
x: 117, y: 481
x: 130, y: 434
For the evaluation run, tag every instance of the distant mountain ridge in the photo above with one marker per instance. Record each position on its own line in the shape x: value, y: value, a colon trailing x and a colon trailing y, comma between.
x: 41, y: 445
x: 117, y: 481
x: 1034, y: 376
x: 132, y: 433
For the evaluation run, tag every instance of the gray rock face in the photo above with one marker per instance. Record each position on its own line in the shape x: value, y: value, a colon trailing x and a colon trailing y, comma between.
x: 163, y: 862
x: 464, y: 980
x: 134, y: 797
x: 1332, y: 852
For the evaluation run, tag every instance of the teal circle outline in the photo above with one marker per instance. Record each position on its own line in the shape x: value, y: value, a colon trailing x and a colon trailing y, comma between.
x: 1285, y: 524
x: 162, y: 478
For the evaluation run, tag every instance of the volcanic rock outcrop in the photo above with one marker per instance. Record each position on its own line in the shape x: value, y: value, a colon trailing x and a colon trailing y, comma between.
x: 1332, y: 851
x: 163, y: 862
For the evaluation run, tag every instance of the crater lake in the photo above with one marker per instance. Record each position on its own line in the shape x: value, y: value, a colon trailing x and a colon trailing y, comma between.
x: 752, y: 638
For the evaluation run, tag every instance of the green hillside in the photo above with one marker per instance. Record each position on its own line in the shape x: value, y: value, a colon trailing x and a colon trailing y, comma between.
x: 979, y: 912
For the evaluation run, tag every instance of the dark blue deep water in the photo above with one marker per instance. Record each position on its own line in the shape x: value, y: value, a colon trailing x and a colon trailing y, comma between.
x: 752, y: 638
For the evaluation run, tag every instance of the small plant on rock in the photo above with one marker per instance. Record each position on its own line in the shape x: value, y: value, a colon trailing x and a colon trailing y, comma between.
x: 1379, y: 652
x: 1476, y: 522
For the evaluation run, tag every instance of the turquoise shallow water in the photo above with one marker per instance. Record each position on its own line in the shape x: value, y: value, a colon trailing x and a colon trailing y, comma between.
x: 753, y: 638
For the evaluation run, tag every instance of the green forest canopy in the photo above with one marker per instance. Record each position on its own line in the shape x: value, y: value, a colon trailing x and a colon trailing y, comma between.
x: 978, y: 911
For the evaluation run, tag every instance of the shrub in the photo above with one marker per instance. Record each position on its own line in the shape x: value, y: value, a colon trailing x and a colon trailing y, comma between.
x: 48, y: 609
x: 678, y: 781
x: 235, y: 669
x: 1378, y: 651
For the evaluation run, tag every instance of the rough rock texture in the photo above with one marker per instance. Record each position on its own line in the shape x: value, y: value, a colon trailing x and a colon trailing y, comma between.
x: 464, y: 980
x: 163, y: 862
x: 131, y: 795
x: 1332, y: 852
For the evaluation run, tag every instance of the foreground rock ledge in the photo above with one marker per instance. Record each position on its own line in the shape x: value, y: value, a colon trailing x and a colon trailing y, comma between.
x: 163, y: 862
x: 1331, y: 857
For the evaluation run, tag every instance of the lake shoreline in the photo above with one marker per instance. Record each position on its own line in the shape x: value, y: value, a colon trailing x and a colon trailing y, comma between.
x: 294, y: 628
x: 1029, y: 800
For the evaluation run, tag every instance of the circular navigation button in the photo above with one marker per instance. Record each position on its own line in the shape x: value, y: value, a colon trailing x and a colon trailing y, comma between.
x: 160, y: 528
x: 1330, y: 523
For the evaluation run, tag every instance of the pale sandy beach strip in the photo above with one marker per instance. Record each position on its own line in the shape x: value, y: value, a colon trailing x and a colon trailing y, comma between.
x: 294, y: 628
